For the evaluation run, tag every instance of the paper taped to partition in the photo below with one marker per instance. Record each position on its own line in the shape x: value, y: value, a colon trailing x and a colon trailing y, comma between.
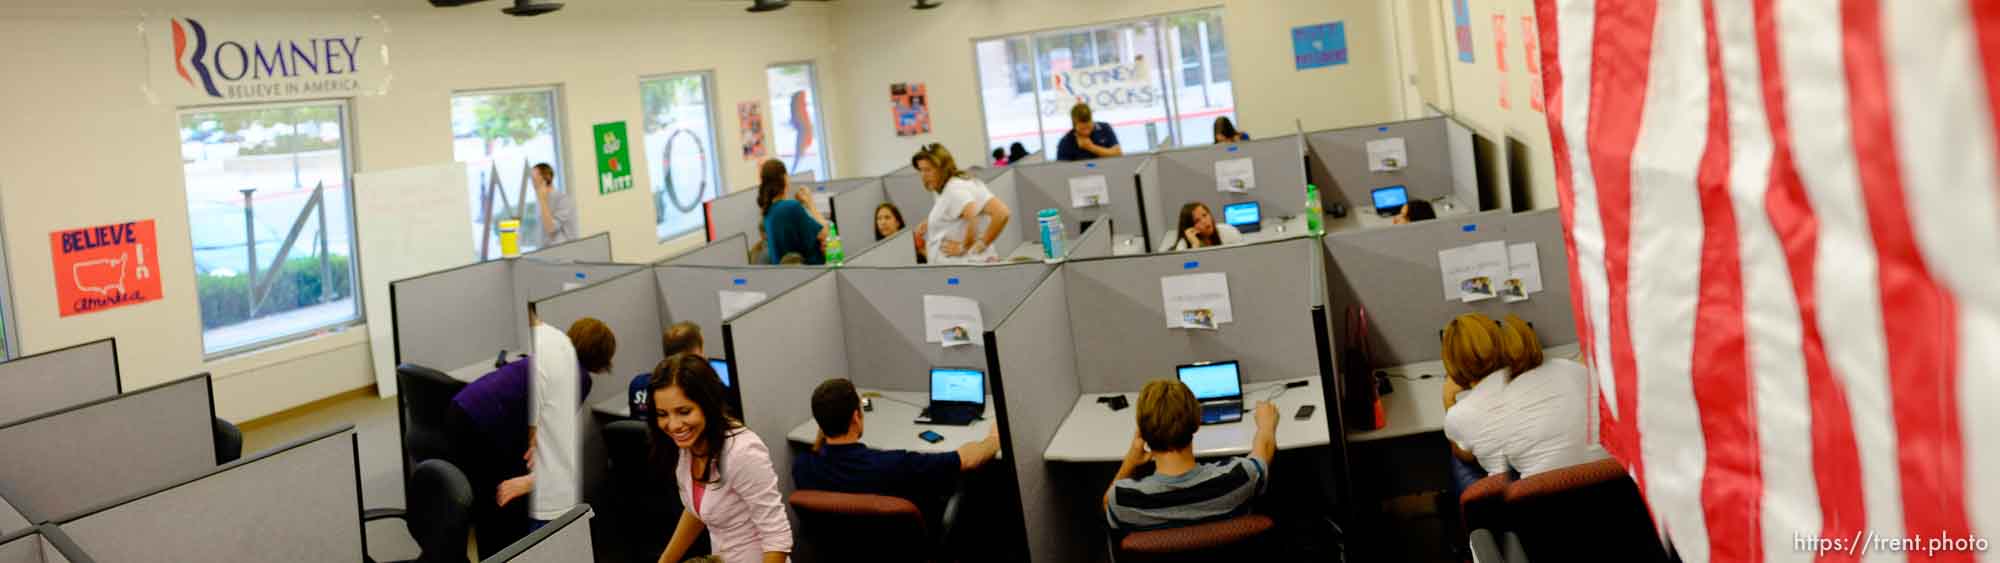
x: 1196, y: 300
x: 734, y: 302
x: 1387, y: 155
x: 1089, y: 191
x: 1472, y: 272
x: 1235, y: 175
x: 952, y: 321
x: 1524, y: 264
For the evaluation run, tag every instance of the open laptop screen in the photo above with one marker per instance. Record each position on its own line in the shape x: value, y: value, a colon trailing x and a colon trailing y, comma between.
x: 1239, y: 214
x: 1217, y: 380
x: 958, y: 385
x: 721, y: 367
x: 1389, y: 198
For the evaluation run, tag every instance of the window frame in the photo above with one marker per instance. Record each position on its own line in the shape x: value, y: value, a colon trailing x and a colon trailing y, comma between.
x: 10, y: 334
x: 715, y: 180
x: 348, y: 157
x: 819, y: 116
x: 557, y: 113
x: 1169, y: 72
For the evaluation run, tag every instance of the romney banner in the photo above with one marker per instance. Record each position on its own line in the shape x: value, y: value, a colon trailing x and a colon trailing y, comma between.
x: 202, y: 60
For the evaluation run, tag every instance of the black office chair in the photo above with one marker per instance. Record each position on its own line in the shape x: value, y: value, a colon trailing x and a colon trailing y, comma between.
x: 422, y: 403
x: 228, y: 441
x: 641, y: 498
x: 439, y: 516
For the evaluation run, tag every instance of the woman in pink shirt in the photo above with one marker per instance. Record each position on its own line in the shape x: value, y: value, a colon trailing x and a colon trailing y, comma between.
x: 724, y: 471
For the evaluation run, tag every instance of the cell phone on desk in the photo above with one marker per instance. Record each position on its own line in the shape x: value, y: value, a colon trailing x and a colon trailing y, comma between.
x: 930, y: 436
x: 1305, y: 412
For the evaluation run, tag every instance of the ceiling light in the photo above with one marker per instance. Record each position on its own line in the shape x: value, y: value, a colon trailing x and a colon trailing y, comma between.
x: 768, y: 5
x: 926, y: 4
x: 527, y: 8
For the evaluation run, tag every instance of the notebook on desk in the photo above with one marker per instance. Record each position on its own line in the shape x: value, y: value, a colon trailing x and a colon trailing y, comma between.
x: 958, y: 396
x: 1219, y: 387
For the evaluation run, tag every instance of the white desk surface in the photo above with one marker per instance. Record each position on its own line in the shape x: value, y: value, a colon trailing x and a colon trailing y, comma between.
x: 892, y: 425
x: 471, y: 372
x: 1417, y: 405
x: 614, y: 405
x: 1095, y: 433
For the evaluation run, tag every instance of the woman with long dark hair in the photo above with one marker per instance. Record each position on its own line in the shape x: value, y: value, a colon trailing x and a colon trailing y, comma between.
x: 723, y: 469
x: 791, y: 224
x: 1198, y: 229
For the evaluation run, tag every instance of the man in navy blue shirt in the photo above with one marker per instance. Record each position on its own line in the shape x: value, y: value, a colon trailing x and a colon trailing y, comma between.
x: 841, y: 463
x: 1087, y: 139
x: 682, y: 338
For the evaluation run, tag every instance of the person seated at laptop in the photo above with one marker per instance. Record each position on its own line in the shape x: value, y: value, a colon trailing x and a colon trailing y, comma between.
x: 682, y: 338
x: 1413, y: 211
x: 840, y: 463
x: 1472, y: 359
x: 1180, y: 491
x: 1540, y: 404
x: 1087, y: 138
x: 1198, y: 229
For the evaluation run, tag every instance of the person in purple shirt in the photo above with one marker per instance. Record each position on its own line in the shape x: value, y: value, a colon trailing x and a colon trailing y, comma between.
x: 840, y: 463
x: 488, y: 429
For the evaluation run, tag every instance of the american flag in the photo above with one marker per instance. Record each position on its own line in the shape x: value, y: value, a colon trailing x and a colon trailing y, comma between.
x: 1784, y: 226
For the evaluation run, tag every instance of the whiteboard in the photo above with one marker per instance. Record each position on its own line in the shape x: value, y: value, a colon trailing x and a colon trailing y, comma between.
x: 409, y: 222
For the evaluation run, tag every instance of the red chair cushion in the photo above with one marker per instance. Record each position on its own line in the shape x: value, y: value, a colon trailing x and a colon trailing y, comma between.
x: 1205, y: 535
x: 854, y: 504
x: 1482, y: 503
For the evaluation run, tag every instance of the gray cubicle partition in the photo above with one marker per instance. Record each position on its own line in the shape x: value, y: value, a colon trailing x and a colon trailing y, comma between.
x: 1122, y: 339
x: 59, y: 462
x: 11, y: 520
x: 593, y: 248
x: 987, y: 173
x: 732, y: 213
x: 1046, y: 185
x: 1439, y: 162
x: 1095, y: 242
x: 781, y: 349
x: 882, y: 314
x: 300, y: 502
x: 58, y: 379
x: 452, y: 318
x: 853, y: 211
x: 1033, y: 361
x: 564, y: 540
x: 40, y: 544
x: 1005, y: 187
x: 806, y: 177
x: 693, y: 293
x: 910, y: 195
x: 733, y: 250
x: 1036, y: 157
x: 628, y: 304
x: 537, y: 279
x: 1147, y: 189
x: 1187, y: 175
x: 1393, y: 273
x: 899, y: 249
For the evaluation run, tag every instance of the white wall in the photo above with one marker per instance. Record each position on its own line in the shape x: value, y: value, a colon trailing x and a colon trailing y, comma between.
x: 880, y: 42
x: 1472, y: 90
x: 82, y: 146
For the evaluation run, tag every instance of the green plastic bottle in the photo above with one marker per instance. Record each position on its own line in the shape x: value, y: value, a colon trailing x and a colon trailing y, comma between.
x: 1315, y: 221
x: 834, y: 255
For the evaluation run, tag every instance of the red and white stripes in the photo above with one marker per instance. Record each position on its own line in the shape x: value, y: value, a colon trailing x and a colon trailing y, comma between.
x: 1783, y: 221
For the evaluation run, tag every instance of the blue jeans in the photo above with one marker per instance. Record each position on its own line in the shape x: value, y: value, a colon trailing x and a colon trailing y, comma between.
x: 1463, y: 475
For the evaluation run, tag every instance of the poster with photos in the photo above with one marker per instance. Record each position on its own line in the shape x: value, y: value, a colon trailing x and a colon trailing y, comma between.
x: 911, y: 108
x: 750, y: 120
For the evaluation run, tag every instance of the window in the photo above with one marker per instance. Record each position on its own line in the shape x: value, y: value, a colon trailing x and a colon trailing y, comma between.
x: 499, y: 135
x: 679, y: 130
x: 271, y: 226
x: 1159, y: 81
x: 799, y: 132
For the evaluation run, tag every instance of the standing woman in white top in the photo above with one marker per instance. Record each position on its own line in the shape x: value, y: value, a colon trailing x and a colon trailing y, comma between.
x: 952, y: 232
x: 724, y: 470
x: 1547, y: 418
x: 1198, y: 229
x: 1476, y: 377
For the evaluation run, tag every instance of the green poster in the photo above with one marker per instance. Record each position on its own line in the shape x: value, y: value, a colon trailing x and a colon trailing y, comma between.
x: 614, y: 157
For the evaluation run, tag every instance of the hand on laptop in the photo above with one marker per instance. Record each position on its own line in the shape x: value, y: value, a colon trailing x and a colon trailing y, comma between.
x: 1267, y: 415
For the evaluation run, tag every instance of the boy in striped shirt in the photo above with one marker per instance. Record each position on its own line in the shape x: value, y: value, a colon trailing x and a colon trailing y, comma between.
x: 1181, y: 491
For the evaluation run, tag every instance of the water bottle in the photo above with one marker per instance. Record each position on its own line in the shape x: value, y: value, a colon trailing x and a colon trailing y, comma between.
x: 834, y: 255
x: 1052, y: 234
x: 1315, y: 222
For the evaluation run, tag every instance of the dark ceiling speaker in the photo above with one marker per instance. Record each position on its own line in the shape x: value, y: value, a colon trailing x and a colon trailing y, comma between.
x: 451, y: 3
x: 926, y: 4
x: 768, y: 5
x: 528, y: 8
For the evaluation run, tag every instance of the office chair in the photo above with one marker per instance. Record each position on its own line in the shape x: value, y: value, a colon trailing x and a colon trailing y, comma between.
x: 1233, y: 539
x: 439, y: 516
x: 857, y: 527
x: 1482, y: 516
x: 228, y: 441
x: 1590, y: 511
x: 422, y: 403
x: 641, y: 499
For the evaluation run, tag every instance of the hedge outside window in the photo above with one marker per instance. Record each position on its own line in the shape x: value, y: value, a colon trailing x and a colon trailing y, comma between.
x: 270, y: 222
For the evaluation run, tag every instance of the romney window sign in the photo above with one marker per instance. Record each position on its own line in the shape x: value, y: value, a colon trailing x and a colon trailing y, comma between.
x: 196, y: 60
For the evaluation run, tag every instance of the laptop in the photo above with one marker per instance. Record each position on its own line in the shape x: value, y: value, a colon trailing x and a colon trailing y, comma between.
x: 1219, y: 387
x: 721, y: 367
x: 958, y: 396
x: 1247, y: 217
x: 1390, y: 200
